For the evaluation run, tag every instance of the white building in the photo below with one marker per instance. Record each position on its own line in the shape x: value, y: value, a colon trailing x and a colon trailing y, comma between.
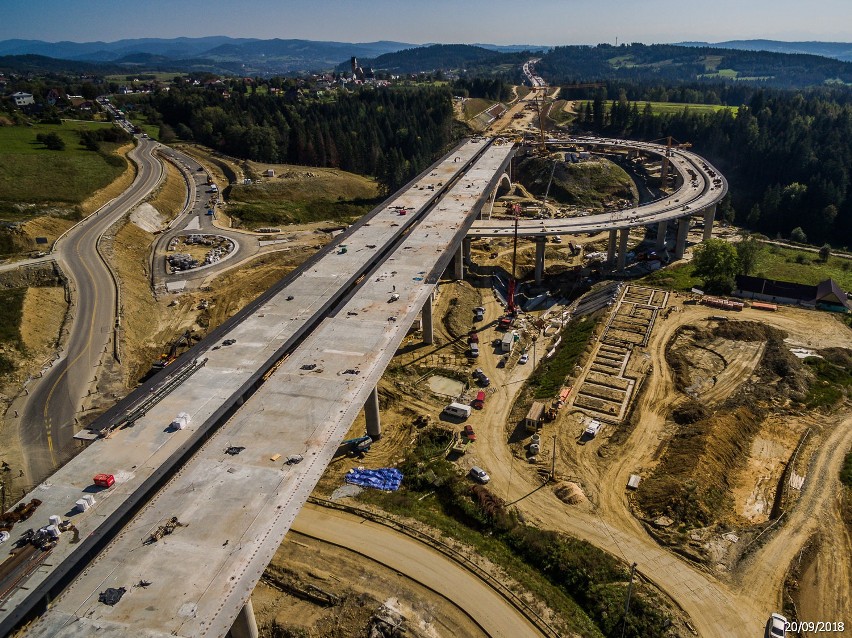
x: 23, y: 99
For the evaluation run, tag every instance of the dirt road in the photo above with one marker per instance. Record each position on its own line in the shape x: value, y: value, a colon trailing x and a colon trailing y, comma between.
x: 715, y: 608
x: 815, y: 510
x: 421, y: 563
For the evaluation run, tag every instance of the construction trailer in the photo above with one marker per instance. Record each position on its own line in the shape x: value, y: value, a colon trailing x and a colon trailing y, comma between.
x: 532, y: 422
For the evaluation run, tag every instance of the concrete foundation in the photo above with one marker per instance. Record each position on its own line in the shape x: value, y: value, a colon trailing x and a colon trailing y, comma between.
x: 426, y: 319
x: 682, y: 232
x: 610, y: 251
x: 622, y: 248
x: 540, y: 246
x: 371, y: 412
x: 662, y: 227
x: 245, y: 626
x: 709, y: 216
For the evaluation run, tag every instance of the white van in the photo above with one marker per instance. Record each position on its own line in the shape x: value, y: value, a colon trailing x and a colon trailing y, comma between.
x: 458, y: 410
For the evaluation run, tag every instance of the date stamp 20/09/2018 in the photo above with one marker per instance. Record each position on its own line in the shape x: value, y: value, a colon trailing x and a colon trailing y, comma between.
x: 816, y: 626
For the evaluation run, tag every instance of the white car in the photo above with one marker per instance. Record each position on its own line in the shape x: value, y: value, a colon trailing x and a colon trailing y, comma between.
x: 478, y: 474
x: 776, y: 626
x: 524, y: 358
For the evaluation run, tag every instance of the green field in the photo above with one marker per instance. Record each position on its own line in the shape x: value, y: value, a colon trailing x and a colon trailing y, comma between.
x: 330, y: 195
x: 661, y: 108
x: 782, y: 264
x: 475, y: 105
x: 29, y: 173
x: 159, y: 76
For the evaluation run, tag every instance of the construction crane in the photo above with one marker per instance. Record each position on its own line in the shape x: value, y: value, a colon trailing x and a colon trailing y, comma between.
x: 511, y: 309
x: 168, y: 357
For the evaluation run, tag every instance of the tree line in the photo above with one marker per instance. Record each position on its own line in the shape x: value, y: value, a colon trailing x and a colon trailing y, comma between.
x: 787, y: 155
x: 387, y: 133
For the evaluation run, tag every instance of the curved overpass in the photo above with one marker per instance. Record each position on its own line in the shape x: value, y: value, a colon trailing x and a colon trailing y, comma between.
x: 699, y: 189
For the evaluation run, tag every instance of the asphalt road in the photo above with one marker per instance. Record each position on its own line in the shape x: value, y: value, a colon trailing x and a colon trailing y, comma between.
x: 194, y: 220
x: 49, y: 408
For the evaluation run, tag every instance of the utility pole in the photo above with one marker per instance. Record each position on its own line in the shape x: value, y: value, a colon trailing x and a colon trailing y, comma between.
x: 627, y: 602
x: 553, y: 462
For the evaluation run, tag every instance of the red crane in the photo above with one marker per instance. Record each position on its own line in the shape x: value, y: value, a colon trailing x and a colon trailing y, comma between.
x: 511, y: 309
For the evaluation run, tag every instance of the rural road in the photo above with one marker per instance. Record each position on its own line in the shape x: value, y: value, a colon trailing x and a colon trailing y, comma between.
x: 428, y: 567
x: 48, y: 409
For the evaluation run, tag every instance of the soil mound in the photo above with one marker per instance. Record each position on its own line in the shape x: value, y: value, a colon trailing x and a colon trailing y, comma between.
x: 570, y: 493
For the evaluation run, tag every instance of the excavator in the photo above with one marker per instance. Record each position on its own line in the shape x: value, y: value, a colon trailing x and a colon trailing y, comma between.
x: 168, y: 357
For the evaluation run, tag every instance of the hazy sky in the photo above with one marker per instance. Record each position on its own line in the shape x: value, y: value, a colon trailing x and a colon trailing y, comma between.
x: 420, y: 21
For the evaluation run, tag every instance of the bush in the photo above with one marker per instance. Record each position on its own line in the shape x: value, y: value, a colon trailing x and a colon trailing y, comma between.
x: 51, y: 140
x: 798, y: 235
x: 551, y: 374
x: 846, y: 470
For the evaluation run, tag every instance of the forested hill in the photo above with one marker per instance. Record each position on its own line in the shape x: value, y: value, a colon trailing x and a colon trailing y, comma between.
x: 837, y: 50
x: 387, y: 133
x: 445, y: 57
x: 787, y: 155
x: 671, y: 63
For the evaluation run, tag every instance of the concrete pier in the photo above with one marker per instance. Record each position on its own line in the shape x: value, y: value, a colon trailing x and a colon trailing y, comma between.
x: 682, y: 232
x: 245, y: 625
x: 426, y: 318
x: 662, y: 227
x: 540, y: 246
x: 458, y: 263
x: 709, y: 216
x: 371, y: 412
x: 622, y: 248
x: 466, y: 250
x: 610, y: 251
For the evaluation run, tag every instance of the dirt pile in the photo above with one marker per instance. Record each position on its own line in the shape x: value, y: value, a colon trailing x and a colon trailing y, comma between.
x: 46, y: 274
x: 570, y: 493
x: 695, y: 479
x: 463, y: 299
x: 692, y: 483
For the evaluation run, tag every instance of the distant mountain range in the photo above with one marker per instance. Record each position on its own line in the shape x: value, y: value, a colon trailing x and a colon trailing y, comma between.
x: 836, y: 50
x: 219, y: 54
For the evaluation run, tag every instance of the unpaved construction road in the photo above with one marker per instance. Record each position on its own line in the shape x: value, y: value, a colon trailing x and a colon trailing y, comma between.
x: 419, y: 562
x: 716, y: 609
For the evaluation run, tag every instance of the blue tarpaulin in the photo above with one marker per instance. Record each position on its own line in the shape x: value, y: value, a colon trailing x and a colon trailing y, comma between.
x: 387, y: 478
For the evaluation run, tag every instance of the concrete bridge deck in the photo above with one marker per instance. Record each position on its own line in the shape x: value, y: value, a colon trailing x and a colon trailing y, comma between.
x: 237, y: 508
x: 137, y: 455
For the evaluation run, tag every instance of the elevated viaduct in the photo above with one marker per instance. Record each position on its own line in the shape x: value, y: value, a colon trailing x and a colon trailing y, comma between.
x: 267, y: 413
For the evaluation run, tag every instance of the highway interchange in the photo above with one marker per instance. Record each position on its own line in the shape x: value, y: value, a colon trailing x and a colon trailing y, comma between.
x: 89, y: 337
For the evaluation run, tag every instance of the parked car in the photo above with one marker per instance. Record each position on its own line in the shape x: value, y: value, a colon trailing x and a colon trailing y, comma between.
x: 776, y: 626
x: 478, y: 474
x: 524, y: 358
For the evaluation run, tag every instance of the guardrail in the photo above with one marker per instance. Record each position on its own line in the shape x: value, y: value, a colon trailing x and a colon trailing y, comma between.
x: 450, y: 552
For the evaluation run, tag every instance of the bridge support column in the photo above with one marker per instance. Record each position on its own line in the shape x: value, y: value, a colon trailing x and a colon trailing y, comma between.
x: 426, y: 320
x: 622, y: 248
x: 466, y: 250
x: 610, y: 251
x: 371, y: 412
x: 458, y: 266
x: 662, y: 227
x: 682, y: 232
x: 245, y: 626
x: 540, y: 246
x: 709, y: 216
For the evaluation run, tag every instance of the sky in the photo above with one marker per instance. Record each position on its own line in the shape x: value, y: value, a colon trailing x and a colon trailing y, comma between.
x: 547, y: 22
